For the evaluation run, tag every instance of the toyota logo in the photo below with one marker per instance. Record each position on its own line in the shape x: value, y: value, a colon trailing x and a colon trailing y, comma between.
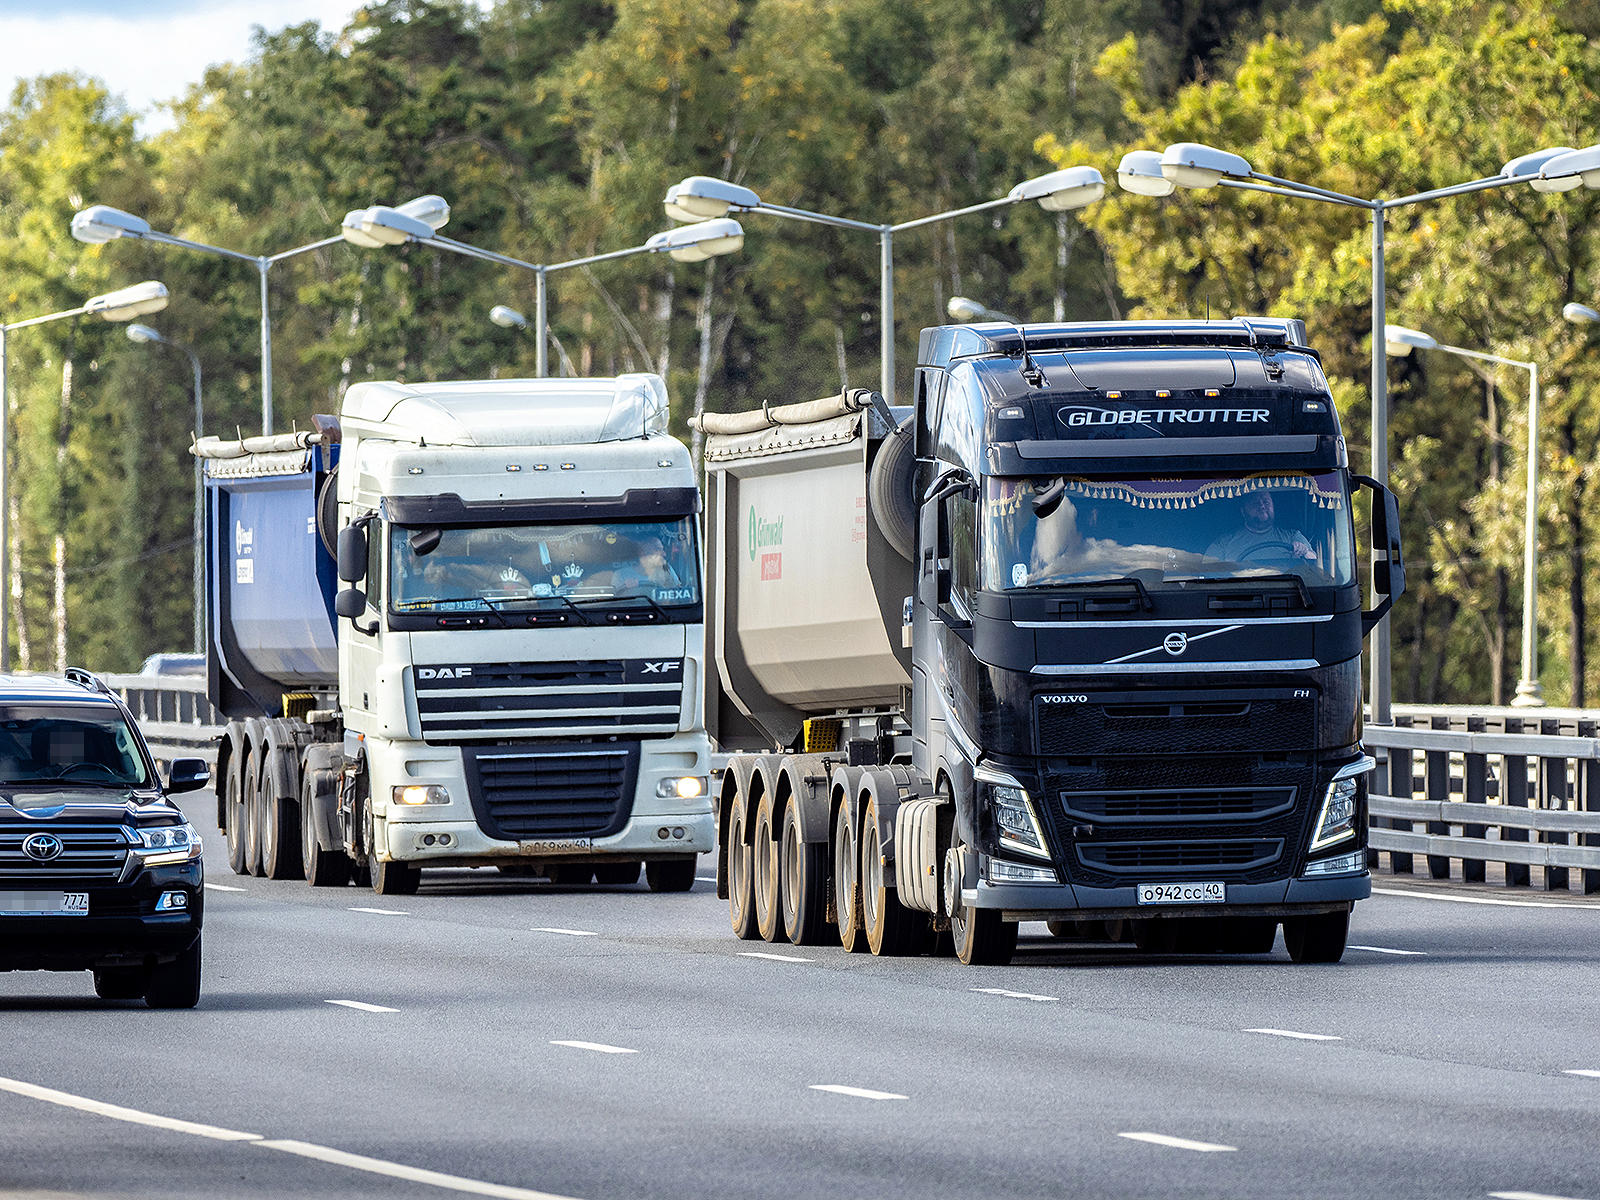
x: 1175, y: 643
x: 42, y: 847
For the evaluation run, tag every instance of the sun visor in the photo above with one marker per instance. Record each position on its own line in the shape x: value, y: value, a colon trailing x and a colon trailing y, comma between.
x: 1153, y: 369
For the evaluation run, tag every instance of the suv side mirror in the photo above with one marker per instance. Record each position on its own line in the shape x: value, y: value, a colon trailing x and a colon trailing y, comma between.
x: 352, y: 555
x: 1388, y: 560
x: 188, y: 774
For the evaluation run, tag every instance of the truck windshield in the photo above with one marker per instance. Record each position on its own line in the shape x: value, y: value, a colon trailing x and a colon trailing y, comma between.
x: 1163, y: 531
x: 52, y: 743
x: 536, y: 566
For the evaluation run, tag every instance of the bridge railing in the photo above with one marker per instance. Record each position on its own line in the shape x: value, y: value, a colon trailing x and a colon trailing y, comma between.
x: 1515, y: 787
x: 173, y: 713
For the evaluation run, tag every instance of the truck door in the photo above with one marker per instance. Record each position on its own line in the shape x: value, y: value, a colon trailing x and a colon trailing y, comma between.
x: 363, y: 641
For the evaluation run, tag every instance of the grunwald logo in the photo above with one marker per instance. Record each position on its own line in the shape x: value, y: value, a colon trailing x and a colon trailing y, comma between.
x: 764, y: 533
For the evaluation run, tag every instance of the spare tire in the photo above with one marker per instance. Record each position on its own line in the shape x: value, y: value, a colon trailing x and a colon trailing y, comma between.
x: 891, y: 491
x: 328, y: 513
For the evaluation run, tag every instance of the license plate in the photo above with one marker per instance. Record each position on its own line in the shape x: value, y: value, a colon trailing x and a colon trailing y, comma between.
x: 44, y: 904
x: 556, y: 845
x: 1183, y: 893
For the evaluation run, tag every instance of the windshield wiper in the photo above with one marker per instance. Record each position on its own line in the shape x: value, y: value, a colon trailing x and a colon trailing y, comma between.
x: 621, y: 600
x: 1112, y: 581
x: 1286, y: 577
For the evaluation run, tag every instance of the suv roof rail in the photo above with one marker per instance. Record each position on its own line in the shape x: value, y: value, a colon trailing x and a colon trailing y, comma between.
x: 86, y: 679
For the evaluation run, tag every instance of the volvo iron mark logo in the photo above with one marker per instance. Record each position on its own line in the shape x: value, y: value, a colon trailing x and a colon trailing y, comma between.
x: 1175, y: 643
x: 42, y: 847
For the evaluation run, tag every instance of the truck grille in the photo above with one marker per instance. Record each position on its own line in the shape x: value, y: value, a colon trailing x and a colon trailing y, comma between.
x: 1139, y: 858
x: 1176, y: 725
x: 517, y: 701
x: 1185, y: 804
x: 89, y: 852
x: 559, y: 792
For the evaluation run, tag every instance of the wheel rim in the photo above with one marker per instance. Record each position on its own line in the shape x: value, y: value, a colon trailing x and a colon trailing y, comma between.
x: 844, y: 874
x: 762, y: 853
x: 738, y: 862
x: 789, y: 868
x: 869, y: 888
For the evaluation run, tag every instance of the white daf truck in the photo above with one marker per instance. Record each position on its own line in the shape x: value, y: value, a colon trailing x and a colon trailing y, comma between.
x: 505, y: 671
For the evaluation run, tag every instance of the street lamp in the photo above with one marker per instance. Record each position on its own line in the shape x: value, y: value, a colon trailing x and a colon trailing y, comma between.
x: 123, y: 304
x: 700, y: 197
x: 1400, y: 342
x: 102, y: 223
x: 144, y: 334
x: 1193, y: 165
x: 381, y: 225
x: 963, y: 309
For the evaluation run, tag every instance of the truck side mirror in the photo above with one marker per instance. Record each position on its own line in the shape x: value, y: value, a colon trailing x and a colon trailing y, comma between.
x: 349, y: 602
x: 352, y: 556
x: 1388, y: 559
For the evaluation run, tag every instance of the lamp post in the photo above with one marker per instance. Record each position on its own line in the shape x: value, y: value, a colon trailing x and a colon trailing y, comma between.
x: 700, y: 196
x: 381, y: 225
x: 962, y: 309
x: 1399, y: 342
x: 1192, y: 165
x: 122, y: 305
x: 144, y: 334
x: 101, y: 223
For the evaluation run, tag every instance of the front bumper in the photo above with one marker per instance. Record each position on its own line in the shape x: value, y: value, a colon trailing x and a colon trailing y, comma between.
x: 121, y: 929
x: 1283, y: 898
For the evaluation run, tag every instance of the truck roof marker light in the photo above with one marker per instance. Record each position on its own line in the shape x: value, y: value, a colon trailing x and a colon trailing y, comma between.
x: 513, y: 467
x: 541, y: 466
x: 1163, y: 394
x: 1213, y: 392
x: 665, y: 462
x: 413, y: 470
x: 568, y: 466
x: 1113, y: 395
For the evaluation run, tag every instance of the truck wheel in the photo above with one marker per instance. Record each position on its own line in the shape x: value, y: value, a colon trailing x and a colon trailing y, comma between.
x: 395, y: 878
x: 233, y: 800
x: 622, y: 873
x: 1153, y: 935
x: 741, y: 895
x: 803, y: 884
x: 280, y: 836
x: 846, y: 886
x: 324, y: 868
x: 1246, y: 935
x: 176, y: 984
x: 982, y: 939
x: 892, y: 929
x: 766, y: 868
x: 569, y: 874
x: 255, y: 811
x: 1316, y: 939
x: 120, y: 983
x: 669, y: 874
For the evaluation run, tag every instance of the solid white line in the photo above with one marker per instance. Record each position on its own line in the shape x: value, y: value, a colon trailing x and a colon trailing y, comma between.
x: 383, y: 912
x: 598, y: 1047
x: 1305, y: 1037
x: 1377, y: 891
x: 1161, y: 1139
x: 1390, y: 950
x: 861, y: 1093
x: 117, y: 1113
x: 1527, y: 1196
x: 773, y: 957
x: 363, y: 1007
x: 568, y: 932
x: 705, y: 878
x: 222, y: 887
x: 1587, y: 1074
x: 378, y: 1166
x: 1013, y: 995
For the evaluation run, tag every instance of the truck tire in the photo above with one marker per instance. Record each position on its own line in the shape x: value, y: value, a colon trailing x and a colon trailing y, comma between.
x: 670, y: 874
x: 622, y: 873
x: 1156, y: 935
x: 846, y: 884
x: 324, y: 868
x: 280, y: 832
x: 982, y: 939
x: 1246, y: 935
x: 741, y: 896
x: 176, y: 984
x: 232, y: 783
x: 395, y: 878
x: 802, y: 884
x: 569, y: 874
x: 765, y: 869
x: 255, y: 816
x: 891, y: 491
x: 121, y: 983
x: 1316, y: 939
x: 892, y: 929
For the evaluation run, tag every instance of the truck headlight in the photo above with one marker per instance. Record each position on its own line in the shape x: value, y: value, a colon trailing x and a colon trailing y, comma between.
x: 682, y: 787
x: 1339, y: 864
x: 997, y: 870
x: 421, y: 793
x: 167, y: 844
x: 1338, y: 818
x: 1015, y: 821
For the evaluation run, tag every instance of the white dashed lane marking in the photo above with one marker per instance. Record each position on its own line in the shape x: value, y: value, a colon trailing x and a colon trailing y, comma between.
x: 357, y: 1004
x: 1177, y: 1143
x: 568, y: 932
x: 1528, y: 1196
x: 383, y: 912
x: 859, y: 1093
x: 1589, y: 1074
x: 1391, y: 950
x: 1013, y: 995
x: 597, y: 1047
x: 1294, y: 1033
x: 773, y: 957
x: 222, y: 887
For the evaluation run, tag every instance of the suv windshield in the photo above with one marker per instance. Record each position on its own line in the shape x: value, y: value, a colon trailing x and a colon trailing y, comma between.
x: 538, y: 566
x: 63, y: 742
x: 1168, y: 530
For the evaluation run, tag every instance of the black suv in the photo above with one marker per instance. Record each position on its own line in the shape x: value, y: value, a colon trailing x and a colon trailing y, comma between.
x: 99, y: 871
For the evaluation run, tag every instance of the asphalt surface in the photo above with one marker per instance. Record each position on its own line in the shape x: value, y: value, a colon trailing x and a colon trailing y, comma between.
x: 1435, y: 1060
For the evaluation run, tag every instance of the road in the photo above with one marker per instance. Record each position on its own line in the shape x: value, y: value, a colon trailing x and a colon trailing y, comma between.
x: 610, y: 1044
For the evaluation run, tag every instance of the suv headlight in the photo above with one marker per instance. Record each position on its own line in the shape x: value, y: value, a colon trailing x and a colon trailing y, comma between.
x: 1338, y: 818
x: 1015, y: 821
x: 167, y: 844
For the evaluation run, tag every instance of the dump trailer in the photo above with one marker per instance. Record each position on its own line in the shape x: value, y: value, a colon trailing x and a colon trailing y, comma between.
x: 461, y: 625
x: 1074, y: 638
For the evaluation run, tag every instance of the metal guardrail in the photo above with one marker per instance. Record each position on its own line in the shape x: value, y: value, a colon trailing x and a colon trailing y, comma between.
x: 1514, y: 786
x: 173, y: 713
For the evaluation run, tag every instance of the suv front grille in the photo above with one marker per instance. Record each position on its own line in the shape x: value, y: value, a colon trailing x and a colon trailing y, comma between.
x: 89, y: 852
